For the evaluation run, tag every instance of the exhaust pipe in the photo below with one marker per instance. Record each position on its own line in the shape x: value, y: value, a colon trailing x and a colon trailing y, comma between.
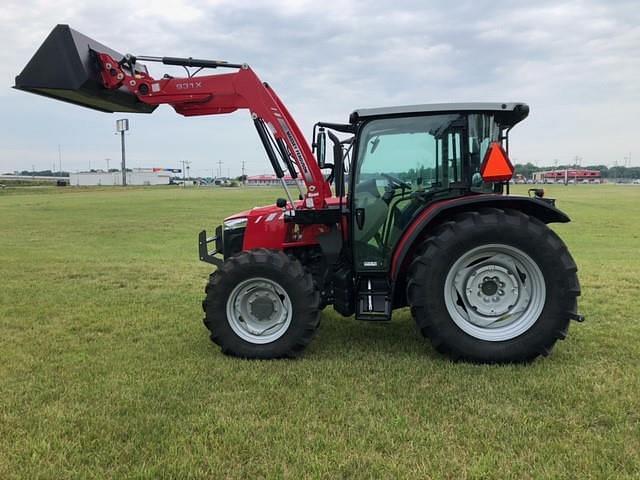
x: 64, y: 68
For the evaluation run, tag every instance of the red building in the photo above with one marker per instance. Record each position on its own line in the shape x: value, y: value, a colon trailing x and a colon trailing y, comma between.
x: 573, y: 175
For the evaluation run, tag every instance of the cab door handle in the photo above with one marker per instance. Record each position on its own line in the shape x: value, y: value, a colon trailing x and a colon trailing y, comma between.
x: 360, y: 217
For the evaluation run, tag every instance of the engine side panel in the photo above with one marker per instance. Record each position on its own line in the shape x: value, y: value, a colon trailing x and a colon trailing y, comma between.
x: 266, y: 228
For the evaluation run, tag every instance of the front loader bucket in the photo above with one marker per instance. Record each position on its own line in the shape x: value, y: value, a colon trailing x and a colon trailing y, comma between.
x: 63, y: 68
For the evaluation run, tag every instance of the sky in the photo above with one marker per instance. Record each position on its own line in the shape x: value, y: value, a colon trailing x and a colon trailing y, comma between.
x: 576, y: 63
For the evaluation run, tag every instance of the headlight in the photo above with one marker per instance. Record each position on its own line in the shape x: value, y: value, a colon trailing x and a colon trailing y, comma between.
x: 235, y: 223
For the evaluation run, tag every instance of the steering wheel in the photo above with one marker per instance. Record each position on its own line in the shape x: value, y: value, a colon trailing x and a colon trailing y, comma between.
x: 395, y: 182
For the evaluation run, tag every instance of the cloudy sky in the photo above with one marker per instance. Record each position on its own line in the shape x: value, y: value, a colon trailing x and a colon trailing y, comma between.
x: 577, y: 64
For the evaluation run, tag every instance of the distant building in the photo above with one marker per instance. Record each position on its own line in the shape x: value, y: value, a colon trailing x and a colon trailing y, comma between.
x: 268, y: 180
x: 138, y: 176
x: 576, y: 175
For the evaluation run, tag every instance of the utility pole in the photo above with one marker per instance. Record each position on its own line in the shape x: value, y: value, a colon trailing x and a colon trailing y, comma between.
x: 219, y: 168
x: 122, y: 126
x: 243, y: 176
x: 578, y: 160
x: 59, y: 158
x: 108, y: 160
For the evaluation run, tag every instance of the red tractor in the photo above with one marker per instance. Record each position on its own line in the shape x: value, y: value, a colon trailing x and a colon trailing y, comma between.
x: 413, y: 210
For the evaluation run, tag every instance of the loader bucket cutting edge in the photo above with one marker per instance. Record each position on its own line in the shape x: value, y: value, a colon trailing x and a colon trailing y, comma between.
x: 63, y: 69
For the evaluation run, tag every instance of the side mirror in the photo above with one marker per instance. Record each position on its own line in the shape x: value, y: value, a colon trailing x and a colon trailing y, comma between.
x: 321, y: 145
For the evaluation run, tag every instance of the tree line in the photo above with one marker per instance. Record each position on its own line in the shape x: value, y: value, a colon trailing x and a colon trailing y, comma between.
x: 43, y: 173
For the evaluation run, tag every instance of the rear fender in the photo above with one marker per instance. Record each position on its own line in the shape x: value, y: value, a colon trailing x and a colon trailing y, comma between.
x: 438, y: 212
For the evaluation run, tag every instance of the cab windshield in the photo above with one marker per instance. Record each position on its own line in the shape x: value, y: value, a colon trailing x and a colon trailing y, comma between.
x: 427, y: 151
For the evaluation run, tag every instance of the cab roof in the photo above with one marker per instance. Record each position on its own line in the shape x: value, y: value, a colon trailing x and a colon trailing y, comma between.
x: 506, y: 114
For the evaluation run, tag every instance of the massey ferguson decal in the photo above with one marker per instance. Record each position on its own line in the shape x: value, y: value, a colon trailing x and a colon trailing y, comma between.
x: 296, y: 151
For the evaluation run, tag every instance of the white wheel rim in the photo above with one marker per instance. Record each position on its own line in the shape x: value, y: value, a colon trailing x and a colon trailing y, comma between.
x: 259, y: 310
x: 495, y: 292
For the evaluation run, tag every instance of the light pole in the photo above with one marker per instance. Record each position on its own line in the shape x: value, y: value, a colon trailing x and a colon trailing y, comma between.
x: 185, y: 170
x: 122, y: 126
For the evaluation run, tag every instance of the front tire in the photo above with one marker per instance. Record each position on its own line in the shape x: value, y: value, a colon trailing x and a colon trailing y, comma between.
x: 494, y: 286
x: 261, y: 304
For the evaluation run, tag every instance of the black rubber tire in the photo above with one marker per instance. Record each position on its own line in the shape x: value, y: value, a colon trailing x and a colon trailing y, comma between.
x: 429, y: 268
x: 289, y: 274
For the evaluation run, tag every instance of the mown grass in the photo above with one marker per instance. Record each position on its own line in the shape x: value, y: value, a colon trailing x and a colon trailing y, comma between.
x: 106, y: 369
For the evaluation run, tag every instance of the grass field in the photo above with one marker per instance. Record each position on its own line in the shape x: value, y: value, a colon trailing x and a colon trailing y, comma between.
x: 106, y: 369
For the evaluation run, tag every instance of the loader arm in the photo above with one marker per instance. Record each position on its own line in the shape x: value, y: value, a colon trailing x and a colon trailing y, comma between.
x: 225, y: 93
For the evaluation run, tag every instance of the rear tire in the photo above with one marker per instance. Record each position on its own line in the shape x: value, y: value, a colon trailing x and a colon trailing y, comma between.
x: 494, y: 286
x: 261, y: 304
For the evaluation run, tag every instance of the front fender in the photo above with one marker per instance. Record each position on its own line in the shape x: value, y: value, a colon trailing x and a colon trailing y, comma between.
x: 438, y: 212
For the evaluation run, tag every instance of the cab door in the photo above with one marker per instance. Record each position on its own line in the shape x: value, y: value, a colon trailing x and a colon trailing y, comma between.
x: 399, y: 161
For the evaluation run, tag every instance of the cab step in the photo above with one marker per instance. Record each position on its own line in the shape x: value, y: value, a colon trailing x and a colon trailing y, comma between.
x: 374, y: 299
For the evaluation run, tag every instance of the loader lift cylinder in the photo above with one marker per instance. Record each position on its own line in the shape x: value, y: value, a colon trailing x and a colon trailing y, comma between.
x: 186, y: 62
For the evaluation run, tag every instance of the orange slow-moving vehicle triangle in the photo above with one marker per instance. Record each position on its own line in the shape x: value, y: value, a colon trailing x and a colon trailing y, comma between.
x: 496, y: 166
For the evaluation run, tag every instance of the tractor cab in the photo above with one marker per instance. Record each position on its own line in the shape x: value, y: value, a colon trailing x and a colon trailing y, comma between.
x: 407, y: 157
x: 404, y: 160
